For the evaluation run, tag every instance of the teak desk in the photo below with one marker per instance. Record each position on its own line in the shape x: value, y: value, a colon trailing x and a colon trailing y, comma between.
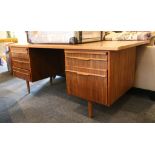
x: 98, y: 72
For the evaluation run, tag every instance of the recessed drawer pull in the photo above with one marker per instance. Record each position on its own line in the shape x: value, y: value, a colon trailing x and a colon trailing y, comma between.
x: 85, y: 74
x: 86, y: 59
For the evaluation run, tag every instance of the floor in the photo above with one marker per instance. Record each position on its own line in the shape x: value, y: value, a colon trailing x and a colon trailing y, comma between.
x: 50, y: 103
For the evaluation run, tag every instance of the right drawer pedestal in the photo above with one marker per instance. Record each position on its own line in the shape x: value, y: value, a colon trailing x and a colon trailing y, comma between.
x: 86, y: 75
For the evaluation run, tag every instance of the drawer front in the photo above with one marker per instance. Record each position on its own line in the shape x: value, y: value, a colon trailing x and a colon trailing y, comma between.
x: 21, y: 73
x: 96, y: 72
x: 87, y: 54
x: 21, y: 64
x: 87, y: 86
x: 86, y: 59
x: 19, y: 49
x: 20, y: 53
x: 96, y: 63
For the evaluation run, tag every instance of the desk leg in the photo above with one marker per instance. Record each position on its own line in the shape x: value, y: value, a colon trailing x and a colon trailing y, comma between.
x: 28, y: 86
x: 52, y: 78
x: 90, y: 109
x: 152, y: 95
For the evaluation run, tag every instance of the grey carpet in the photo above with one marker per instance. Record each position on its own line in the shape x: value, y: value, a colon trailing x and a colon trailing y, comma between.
x: 3, y: 68
x: 50, y: 103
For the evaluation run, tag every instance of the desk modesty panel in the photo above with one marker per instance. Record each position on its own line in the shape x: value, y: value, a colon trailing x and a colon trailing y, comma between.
x: 98, y: 72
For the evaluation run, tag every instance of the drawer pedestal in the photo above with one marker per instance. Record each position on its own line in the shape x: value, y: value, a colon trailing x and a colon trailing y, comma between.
x: 33, y: 64
x: 99, y: 76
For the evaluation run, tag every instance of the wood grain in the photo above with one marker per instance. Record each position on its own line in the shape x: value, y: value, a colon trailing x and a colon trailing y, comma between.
x: 121, y: 71
x: 21, y: 64
x: 28, y: 86
x: 21, y: 73
x: 101, y: 45
x: 33, y: 64
x: 85, y: 78
x: 86, y: 59
x: 87, y: 86
x: 97, y: 72
x: 90, y: 109
x: 46, y: 63
x: 108, y: 83
x: 20, y: 55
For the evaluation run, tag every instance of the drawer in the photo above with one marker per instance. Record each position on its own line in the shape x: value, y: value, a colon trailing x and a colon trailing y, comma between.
x: 21, y: 73
x: 88, y: 86
x: 21, y: 64
x: 87, y: 54
x: 95, y: 63
x: 19, y: 49
x: 20, y: 53
x: 96, y: 72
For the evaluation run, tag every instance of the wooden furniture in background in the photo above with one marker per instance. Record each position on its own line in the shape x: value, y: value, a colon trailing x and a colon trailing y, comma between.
x: 98, y: 72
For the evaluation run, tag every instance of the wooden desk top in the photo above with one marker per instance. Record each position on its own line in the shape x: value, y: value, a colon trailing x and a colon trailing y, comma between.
x: 102, y: 45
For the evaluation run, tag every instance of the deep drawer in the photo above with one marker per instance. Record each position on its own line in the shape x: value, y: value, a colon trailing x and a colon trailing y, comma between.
x: 21, y: 73
x: 21, y: 64
x: 87, y: 86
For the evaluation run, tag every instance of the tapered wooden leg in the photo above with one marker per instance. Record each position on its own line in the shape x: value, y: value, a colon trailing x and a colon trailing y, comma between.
x: 51, y: 80
x: 28, y: 86
x: 90, y: 109
x: 54, y: 76
x: 152, y: 95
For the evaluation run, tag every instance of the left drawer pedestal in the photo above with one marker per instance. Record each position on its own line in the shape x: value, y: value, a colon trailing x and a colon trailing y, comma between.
x: 21, y: 67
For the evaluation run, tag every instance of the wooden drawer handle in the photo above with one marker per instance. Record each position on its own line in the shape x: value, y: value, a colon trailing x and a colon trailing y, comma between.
x: 85, y: 74
x: 87, y: 59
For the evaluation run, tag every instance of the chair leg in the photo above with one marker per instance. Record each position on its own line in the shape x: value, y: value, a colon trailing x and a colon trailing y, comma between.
x: 90, y: 109
x: 28, y: 86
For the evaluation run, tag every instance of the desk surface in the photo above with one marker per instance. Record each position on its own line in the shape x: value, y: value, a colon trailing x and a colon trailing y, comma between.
x: 102, y: 45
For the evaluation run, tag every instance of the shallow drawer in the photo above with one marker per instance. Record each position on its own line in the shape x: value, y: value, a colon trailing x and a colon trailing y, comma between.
x: 20, y: 53
x: 87, y: 86
x: 87, y: 54
x: 21, y: 64
x: 96, y: 72
x: 96, y: 63
x: 21, y: 73
x: 19, y: 49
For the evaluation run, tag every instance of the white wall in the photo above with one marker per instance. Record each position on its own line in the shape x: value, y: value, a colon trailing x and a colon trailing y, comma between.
x: 21, y: 36
x: 3, y: 34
